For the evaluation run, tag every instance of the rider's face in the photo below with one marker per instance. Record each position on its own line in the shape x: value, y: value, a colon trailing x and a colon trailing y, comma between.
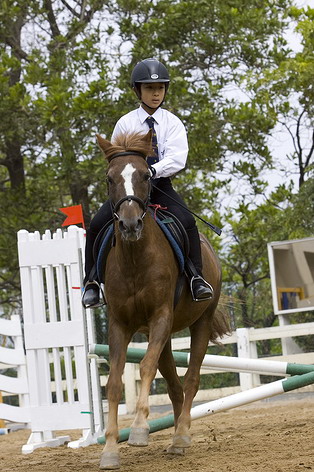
x: 153, y: 94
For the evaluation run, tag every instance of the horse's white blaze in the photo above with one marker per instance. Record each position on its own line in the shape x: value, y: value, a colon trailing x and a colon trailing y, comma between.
x: 127, y: 176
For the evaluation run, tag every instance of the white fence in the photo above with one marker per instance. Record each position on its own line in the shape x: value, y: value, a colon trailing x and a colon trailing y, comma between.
x: 14, y: 358
x: 56, y: 333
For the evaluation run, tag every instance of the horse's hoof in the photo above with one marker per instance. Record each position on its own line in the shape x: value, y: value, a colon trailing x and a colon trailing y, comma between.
x: 138, y: 437
x: 181, y: 441
x: 109, y: 461
x: 178, y: 451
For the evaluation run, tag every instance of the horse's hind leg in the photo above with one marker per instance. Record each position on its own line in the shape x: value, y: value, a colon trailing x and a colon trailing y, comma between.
x: 199, y: 342
x: 168, y: 370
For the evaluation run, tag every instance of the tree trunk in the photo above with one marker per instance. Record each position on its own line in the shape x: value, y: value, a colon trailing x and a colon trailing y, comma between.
x: 79, y: 194
x: 13, y: 159
x: 15, y: 164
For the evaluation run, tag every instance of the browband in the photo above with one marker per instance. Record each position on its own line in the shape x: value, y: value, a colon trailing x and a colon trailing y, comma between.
x: 128, y: 153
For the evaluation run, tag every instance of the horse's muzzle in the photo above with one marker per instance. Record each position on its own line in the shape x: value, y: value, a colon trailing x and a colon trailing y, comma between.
x: 130, y: 226
x: 130, y: 229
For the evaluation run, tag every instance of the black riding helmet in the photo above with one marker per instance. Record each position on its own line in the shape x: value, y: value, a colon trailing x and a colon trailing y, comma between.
x: 149, y: 71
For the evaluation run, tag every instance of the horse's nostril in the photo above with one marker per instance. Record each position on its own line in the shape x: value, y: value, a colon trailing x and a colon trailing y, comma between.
x: 122, y: 226
x: 139, y: 225
x: 131, y: 229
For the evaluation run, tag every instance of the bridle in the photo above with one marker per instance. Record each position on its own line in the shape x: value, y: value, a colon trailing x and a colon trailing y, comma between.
x: 142, y: 203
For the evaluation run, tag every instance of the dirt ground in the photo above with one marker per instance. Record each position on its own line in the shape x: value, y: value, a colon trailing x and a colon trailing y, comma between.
x: 268, y: 436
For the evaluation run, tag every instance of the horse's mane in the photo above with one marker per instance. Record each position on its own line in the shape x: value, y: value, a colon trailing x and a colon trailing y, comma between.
x: 130, y: 142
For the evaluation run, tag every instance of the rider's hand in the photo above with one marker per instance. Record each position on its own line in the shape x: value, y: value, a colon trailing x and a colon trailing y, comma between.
x: 152, y: 171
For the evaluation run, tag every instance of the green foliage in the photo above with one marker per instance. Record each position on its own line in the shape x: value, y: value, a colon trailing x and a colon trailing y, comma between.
x: 284, y: 90
x: 300, y: 216
x: 219, y: 380
x: 246, y: 263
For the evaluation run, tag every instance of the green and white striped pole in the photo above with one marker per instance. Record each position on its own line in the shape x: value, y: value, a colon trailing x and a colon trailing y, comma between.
x: 221, y: 363
x: 226, y: 403
x: 302, y: 375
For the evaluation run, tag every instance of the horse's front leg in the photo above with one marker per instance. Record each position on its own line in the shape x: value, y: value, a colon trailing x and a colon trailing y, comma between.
x: 159, y: 332
x: 118, y: 341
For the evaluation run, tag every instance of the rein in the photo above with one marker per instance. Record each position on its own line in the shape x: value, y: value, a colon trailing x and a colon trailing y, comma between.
x: 215, y: 228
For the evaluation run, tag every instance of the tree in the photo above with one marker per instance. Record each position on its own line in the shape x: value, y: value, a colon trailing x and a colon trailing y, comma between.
x: 219, y: 43
x: 246, y: 261
x: 282, y: 90
x: 64, y: 76
x: 285, y: 90
x: 300, y: 215
x: 51, y: 107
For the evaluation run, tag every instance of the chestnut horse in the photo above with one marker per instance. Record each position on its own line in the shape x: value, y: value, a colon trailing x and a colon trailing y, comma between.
x: 140, y: 280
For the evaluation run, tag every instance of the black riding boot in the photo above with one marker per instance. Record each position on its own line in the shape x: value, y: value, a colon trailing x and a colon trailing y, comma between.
x: 91, y: 292
x: 201, y: 290
x: 91, y: 295
x: 92, y: 289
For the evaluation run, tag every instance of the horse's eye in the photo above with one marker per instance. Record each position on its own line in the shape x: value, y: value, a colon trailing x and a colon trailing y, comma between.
x: 109, y: 180
x: 146, y: 176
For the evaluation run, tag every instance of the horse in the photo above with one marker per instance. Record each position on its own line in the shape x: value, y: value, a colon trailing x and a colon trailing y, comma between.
x: 140, y: 275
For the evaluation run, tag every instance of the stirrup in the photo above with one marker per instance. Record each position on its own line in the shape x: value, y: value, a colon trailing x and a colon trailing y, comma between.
x: 102, y: 300
x: 199, y: 277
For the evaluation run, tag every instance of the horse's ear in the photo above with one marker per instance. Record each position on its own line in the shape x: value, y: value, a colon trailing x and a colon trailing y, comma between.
x: 148, y: 137
x: 104, y: 144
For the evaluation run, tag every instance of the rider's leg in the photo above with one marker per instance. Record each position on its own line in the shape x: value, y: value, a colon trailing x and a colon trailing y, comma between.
x: 90, y: 297
x: 201, y: 290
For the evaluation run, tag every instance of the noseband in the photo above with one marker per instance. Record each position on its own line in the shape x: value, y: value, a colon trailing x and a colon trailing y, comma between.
x: 143, y: 204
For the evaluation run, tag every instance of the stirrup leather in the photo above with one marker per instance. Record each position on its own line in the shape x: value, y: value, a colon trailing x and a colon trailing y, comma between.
x: 102, y: 300
x: 198, y: 277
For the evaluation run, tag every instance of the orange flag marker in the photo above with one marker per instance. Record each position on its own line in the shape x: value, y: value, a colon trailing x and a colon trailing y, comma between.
x: 74, y: 215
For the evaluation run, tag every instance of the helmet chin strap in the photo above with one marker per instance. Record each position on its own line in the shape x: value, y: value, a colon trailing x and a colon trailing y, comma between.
x: 151, y: 108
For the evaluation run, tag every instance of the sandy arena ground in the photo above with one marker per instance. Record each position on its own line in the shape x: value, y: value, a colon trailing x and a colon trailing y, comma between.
x: 268, y: 436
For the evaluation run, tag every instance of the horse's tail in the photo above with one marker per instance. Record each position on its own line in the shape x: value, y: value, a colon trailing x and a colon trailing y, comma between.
x: 219, y: 324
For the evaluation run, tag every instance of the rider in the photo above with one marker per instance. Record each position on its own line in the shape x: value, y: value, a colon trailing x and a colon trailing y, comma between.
x: 150, y: 81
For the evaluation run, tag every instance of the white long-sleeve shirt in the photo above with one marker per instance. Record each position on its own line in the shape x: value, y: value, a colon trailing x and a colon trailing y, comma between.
x: 171, y: 138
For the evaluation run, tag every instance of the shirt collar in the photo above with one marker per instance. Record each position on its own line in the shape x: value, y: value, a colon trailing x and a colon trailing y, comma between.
x: 143, y: 115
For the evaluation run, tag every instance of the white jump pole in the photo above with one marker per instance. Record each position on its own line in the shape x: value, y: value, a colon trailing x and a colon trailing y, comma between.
x: 222, y: 363
x: 252, y: 395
